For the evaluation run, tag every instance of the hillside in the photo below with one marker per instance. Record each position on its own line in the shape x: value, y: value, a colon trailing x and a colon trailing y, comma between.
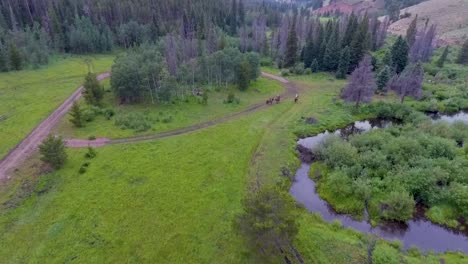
x: 451, y: 17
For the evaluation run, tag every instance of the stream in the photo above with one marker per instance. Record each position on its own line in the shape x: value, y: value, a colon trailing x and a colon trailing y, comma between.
x: 418, y: 232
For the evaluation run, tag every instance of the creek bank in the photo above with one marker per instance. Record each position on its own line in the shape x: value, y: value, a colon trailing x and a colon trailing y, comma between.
x: 419, y: 231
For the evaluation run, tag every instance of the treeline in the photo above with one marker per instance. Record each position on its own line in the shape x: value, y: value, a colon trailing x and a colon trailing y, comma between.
x: 338, y: 44
x: 161, y: 72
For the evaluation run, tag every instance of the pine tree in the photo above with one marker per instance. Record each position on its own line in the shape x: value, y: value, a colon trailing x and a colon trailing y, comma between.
x: 441, y: 61
x: 233, y: 18
x: 314, y: 66
x: 361, y: 85
x: 76, y: 115
x: 241, y: 12
x: 16, y: 62
x: 463, y: 56
x: 93, y: 91
x: 383, y: 77
x: 309, y: 53
x: 343, y: 66
x: 360, y: 41
x: 332, y: 52
x: 411, y: 32
x: 53, y: 152
x: 3, y: 61
x: 291, y: 46
x: 400, y: 54
x: 387, y: 59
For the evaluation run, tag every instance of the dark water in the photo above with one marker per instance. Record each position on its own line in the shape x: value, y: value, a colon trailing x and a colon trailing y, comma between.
x: 418, y: 232
x: 460, y: 116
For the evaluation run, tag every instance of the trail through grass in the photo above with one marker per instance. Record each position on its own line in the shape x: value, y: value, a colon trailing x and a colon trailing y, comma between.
x: 27, y: 97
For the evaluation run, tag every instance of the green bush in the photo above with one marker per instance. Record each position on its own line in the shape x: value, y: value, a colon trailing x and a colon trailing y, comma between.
x: 108, y: 113
x: 232, y: 99
x: 91, y: 153
x: 285, y: 73
x: 384, y: 254
x: 135, y: 121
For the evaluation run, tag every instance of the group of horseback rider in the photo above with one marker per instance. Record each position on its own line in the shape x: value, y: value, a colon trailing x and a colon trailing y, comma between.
x: 277, y: 99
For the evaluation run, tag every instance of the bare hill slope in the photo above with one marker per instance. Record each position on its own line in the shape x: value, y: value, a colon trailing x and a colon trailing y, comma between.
x: 451, y: 17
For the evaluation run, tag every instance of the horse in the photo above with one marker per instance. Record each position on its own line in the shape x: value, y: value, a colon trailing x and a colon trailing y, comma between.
x: 278, y: 99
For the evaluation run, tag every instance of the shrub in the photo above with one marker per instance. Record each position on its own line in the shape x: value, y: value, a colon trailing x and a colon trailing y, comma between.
x: 308, y: 71
x: 135, y: 121
x: 398, y: 206
x: 52, y: 151
x: 108, y: 113
x: 167, y: 119
x: 82, y: 170
x: 266, y: 61
x: 88, y: 115
x: 383, y: 254
x: 92, y: 137
x: 298, y: 69
x: 232, y: 99
x: 285, y: 72
x: 91, y: 153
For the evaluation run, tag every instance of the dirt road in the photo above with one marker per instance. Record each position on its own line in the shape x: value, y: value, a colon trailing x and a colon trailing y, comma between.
x: 99, y: 142
x: 28, y: 145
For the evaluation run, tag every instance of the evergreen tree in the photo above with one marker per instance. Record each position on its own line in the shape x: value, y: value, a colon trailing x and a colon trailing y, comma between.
x: 383, y: 77
x: 309, y: 53
x: 233, y: 18
x: 400, y: 54
x: 412, y: 31
x: 76, y: 115
x: 16, y: 62
x: 3, y: 61
x: 360, y: 41
x: 332, y: 52
x: 343, y: 66
x: 361, y: 85
x: 93, y: 91
x: 53, y: 152
x: 315, y: 66
x: 268, y: 222
x: 387, y: 59
x: 241, y: 12
x: 243, y: 75
x: 441, y: 61
x: 291, y: 46
x: 463, y: 56
x: 351, y: 28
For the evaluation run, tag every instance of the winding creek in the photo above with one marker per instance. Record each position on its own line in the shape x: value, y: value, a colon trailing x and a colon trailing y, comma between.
x: 418, y: 232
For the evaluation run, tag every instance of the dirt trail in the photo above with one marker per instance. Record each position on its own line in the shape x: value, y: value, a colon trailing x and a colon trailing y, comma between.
x: 99, y: 142
x: 29, y: 144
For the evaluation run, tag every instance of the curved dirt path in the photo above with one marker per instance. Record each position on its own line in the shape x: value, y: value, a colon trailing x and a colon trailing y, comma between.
x: 99, y: 142
x: 29, y: 144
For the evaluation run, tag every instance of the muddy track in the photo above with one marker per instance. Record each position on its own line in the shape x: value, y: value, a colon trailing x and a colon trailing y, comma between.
x: 288, y: 94
x: 29, y: 144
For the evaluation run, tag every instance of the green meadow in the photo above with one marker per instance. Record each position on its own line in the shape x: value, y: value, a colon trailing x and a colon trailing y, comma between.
x: 174, y: 200
x: 27, y: 97
x: 178, y: 114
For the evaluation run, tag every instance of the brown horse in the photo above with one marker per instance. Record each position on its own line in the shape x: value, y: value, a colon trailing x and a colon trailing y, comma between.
x: 278, y: 99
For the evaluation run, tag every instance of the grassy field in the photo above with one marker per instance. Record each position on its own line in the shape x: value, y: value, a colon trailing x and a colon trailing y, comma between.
x: 27, y: 97
x: 181, y: 113
x: 173, y: 200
